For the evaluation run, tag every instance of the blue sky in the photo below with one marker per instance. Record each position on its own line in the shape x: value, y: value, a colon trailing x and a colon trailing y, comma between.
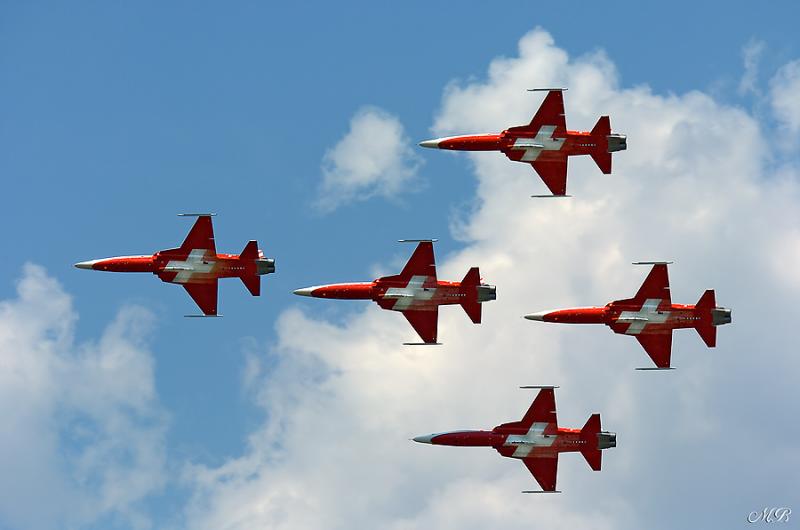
x: 115, y: 117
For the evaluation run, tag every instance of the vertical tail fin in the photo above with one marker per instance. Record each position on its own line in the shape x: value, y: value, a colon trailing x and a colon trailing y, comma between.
x: 589, y: 433
x: 705, y: 326
x: 469, y: 287
x: 601, y: 155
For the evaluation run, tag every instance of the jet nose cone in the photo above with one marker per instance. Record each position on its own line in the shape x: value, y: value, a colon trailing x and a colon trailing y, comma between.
x: 433, y: 144
x: 426, y: 439
x: 305, y: 291
x: 537, y: 316
x: 86, y: 264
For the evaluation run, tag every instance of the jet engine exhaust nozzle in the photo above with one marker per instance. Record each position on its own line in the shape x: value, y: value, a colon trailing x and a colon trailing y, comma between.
x: 617, y: 142
x: 606, y: 439
x: 487, y: 293
x: 265, y: 266
x: 720, y: 316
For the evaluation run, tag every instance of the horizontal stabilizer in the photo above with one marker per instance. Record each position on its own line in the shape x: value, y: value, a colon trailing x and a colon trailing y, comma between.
x: 253, y: 284
x: 705, y: 327
x: 250, y: 251
x: 469, y: 287
x: 708, y: 301
x: 601, y: 155
x: 602, y: 128
x: 603, y: 161
x: 589, y: 433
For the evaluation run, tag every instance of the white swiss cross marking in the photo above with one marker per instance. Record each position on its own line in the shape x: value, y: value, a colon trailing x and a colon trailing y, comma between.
x: 525, y: 443
x: 411, y: 293
x: 648, y: 314
x: 195, y: 263
x: 543, y: 141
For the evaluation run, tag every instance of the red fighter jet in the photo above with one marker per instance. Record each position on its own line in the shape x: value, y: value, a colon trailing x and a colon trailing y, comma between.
x: 650, y: 316
x: 415, y: 292
x: 196, y: 265
x: 536, y: 439
x: 545, y: 143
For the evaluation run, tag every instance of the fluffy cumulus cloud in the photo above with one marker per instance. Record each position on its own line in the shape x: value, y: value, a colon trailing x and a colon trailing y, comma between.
x: 699, y: 447
x: 751, y: 56
x: 83, y: 435
x: 375, y: 158
x: 785, y: 88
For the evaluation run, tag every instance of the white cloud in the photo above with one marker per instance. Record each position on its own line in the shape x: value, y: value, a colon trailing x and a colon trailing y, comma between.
x: 83, y: 435
x: 785, y: 96
x: 375, y: 158
x: 698, y: 447
x: 751, y: 56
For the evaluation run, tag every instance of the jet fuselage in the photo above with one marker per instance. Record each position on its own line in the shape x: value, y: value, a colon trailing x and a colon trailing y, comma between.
x: 536, y: 440
x: 522, y: 144
x: 417, y: 294
x: 514, y: 443
x: 545, y: 143
x: 196, y: 265
x: 175, y: 267
x: 650, y: 317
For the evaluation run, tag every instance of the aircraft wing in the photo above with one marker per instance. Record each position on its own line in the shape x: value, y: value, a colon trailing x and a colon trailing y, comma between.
x: 658, y: 346
x: 542, y: 410
x: 655, y: 286
x: 200, y: 237
x: 425, y: 323
x: 551, y: 112
x: 421, y: 263
x: 204, y: 295
x: 544, y: 469
x: 554, y: 174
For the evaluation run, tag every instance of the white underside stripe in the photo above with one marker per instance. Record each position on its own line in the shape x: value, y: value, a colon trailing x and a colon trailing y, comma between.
x: 525, y: 443
x: 196, y: 263
x: 543, y: 141
x: 647, y: 315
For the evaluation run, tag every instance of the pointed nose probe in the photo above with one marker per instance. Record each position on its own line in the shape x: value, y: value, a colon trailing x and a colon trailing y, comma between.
x: 85, y: 264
